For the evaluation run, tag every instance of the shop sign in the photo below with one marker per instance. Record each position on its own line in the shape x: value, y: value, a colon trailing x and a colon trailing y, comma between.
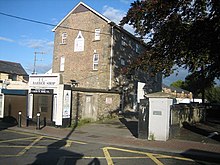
x: 43, y: 81
x: 42, y: 91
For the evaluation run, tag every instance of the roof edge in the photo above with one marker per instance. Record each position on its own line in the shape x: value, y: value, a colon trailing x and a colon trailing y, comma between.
x: 91, y: 9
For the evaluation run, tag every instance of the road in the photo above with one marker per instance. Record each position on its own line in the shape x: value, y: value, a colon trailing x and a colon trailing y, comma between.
x: 26, y: 148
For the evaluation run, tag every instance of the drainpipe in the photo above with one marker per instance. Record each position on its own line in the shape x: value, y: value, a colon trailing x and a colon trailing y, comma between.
x: 111, y: 55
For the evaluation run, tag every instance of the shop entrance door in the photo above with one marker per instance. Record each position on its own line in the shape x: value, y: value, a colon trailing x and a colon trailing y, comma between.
x: 43, y: 104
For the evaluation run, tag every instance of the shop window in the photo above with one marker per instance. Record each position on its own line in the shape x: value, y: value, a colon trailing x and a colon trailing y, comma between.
x: 43, y: 103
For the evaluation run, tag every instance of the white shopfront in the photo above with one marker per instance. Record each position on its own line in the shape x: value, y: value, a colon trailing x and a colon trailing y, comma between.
x: 49, y: 97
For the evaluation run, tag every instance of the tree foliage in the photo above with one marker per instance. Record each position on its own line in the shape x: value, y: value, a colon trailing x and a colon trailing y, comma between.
x: 213, y: 94
x: 184, y: 33
x: 177, y: 84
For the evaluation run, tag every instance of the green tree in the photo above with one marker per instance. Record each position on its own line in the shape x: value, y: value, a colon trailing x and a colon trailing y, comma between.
x: 213, y: 94
x: 184, y: 33
x: 177, y: 84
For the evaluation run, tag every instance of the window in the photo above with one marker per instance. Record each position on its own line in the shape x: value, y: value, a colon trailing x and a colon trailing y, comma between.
x: 13, y: 77
x: 123, y: 41
x: 64, y: 37
x: 95, y: 61
x: 137, y: 48
x: 97, y: 34
x: 122, y: 61
x: 62, y: 63
x: 79, y: 43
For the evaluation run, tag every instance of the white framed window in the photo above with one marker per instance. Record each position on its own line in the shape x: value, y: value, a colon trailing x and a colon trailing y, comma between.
x: 79, y: 43
x: 97, y: 34
x: 95, y: 61
x: 123, y: 61
x: 62, y: 63
x: 63, y: 38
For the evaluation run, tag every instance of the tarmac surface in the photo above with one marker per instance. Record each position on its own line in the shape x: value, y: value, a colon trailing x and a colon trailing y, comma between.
x: 191, y: 140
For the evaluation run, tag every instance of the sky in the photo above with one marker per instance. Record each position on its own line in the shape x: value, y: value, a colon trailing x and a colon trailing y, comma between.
x: 20, y: 39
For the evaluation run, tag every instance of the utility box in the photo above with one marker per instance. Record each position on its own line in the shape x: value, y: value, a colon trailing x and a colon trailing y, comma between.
x: 159, y: 115
x: 143, y: 119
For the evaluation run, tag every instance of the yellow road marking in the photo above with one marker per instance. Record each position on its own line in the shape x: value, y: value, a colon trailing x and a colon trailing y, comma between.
x: 22, y: 133
x: 2, y: 146
x: 7, y: 155
x: 68, y: 143
x: 49, y: 137
x: 28, y: 147
x: 173, y: 157
x: 150, y: 155
x: 73, y: 141
x: 20, y: 139
x: 107, y: 156
x: 154, y: 159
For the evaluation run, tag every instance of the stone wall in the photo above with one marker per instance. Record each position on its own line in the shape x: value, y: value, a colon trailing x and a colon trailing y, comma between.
x: 190, y: 113
x: 102, y: 105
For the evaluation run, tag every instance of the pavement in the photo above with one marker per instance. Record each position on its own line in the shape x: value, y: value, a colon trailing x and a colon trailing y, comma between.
x: 115, y: 132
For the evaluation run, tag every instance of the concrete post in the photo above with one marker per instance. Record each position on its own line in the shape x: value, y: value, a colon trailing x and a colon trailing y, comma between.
x: 19, y: 119
x: 38, y: 120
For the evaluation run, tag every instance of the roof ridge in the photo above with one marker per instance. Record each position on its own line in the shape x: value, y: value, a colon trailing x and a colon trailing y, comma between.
x: 88, y: 7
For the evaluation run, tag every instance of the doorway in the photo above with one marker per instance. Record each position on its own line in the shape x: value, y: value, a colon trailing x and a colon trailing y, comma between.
x: 89, y: 111
x: 43, y: 103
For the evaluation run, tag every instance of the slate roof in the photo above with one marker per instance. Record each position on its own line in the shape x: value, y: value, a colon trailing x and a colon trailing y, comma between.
x: 12, y: 68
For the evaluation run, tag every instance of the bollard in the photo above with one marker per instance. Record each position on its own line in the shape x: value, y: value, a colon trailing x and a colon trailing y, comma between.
x: 38, y: 120
x: 19, y: 119
x: 27, y: 121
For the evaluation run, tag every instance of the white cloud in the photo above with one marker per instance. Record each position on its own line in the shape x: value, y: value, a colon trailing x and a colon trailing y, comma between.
x: 41, y: 68
x: 125, y: 1
x: 6, y: 39
x: 40, y: 44
x: 116, y: 16
x: 54, y: 21
x: 113, y: 14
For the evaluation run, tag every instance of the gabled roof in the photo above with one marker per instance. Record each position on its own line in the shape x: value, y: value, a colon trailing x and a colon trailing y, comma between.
x: 81, y: 6
x: 12, y: 68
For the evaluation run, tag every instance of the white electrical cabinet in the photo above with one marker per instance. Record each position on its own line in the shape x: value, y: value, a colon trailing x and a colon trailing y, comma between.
x: 159, y: 116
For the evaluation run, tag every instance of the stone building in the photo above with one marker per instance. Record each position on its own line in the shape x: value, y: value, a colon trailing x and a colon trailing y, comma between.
x: 181, y: 95
x: 13, y: 89
x: 92, y: 54
x: 12, y: 76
